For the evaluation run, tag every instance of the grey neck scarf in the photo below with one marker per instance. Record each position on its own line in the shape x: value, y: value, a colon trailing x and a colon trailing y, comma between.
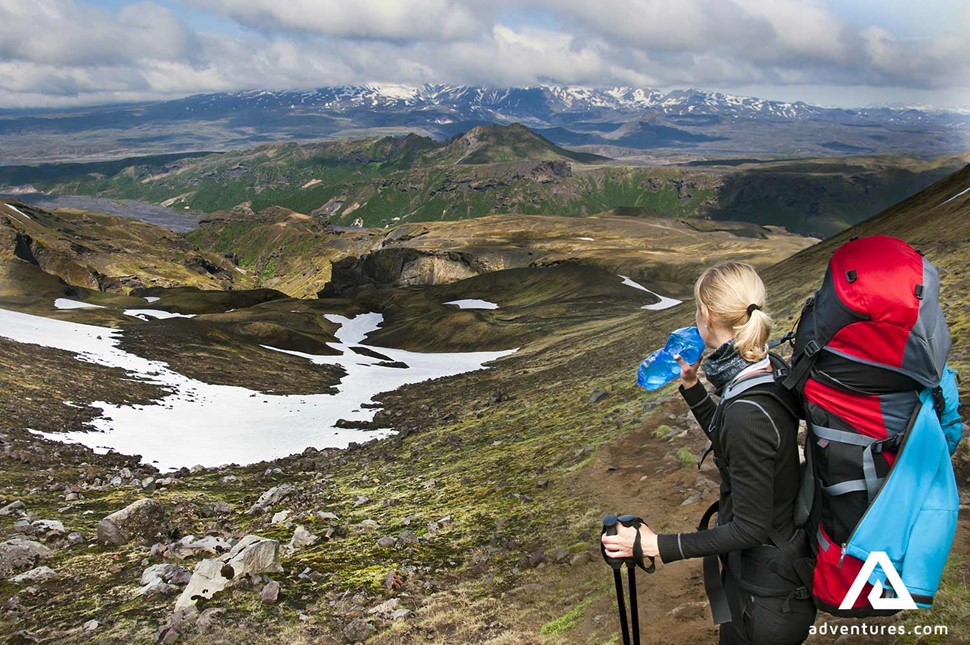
x: 723, y: 365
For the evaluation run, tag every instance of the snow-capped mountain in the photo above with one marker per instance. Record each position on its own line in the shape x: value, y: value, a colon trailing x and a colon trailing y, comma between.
x: 610, y: 120
x: 540, y: 102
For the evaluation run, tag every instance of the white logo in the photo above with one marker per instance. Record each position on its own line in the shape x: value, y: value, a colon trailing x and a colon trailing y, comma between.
x: 902, y: 600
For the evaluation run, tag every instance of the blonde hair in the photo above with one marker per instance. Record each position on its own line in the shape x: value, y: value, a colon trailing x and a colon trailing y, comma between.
x: 727, y: 291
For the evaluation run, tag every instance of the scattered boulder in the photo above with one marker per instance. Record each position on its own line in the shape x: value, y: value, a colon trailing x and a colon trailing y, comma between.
x: 167, y: 573
x: 597, y: 395
x: 358, y: 630
x: 20, y: 554
x: 145, y: 519
x: 49, y: 527
x: 270, y: 497
x: 251, y: 555
x: 302, y: 538
x: 270, y: 593
x: 12, y: 508
x: 40, y: 574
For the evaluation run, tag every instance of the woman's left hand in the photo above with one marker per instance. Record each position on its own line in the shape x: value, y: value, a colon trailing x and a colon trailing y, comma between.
x: 621, y: 544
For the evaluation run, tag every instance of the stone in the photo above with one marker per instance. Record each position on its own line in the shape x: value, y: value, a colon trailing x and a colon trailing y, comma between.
x: 273, y: 496
x: 693, y: 498
x: 145, y: 519
x: 597, y: 395
x: 21, y: 554
x: 326, y: 516
x: 270, y: 593
x: 167, y: 573
x: 209, y: 618
x: 302, y: 538
x: 40, y: 574
x: 251, y: 555
x: 385, y: 609
x: 90, y: 626
x: 279, y: 518
x: 358, y: 630
x: 157, y: 587
x: 49, y: 526
x: 75, y: 538
x: 12, y: 508
x: 386, y: 542
x: 368, y: 525
x: 407, y: 537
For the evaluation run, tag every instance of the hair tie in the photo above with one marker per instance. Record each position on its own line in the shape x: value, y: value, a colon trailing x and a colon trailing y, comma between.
x: 751, y: 309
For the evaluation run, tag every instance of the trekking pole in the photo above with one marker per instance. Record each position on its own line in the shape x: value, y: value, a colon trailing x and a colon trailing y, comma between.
x: 609, y: 528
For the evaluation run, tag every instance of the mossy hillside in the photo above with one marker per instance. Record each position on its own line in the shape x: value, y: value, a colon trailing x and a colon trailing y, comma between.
x: 509, y: 170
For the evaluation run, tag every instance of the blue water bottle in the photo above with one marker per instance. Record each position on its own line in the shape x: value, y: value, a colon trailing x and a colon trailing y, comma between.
x: 661, y: 367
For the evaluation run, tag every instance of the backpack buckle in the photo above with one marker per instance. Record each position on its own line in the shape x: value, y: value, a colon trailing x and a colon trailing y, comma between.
x: 812, y: 348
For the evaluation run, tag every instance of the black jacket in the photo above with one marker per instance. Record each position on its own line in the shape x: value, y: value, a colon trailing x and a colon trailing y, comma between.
x: 756, y: 452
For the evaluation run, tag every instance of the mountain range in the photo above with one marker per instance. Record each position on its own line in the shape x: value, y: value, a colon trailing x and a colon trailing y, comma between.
x: 619, y: 121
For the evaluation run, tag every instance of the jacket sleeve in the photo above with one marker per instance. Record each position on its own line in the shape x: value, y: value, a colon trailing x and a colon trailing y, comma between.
x: 700, y: 402
x: 750, y: 442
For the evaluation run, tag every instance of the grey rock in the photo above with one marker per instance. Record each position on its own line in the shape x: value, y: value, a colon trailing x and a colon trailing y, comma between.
x: 90, y: 626
x: 12, y: 508
x: 693, y: 498
x: 144, y: 519
x: 40, y: 574
x: 386, y: 542
x: 157, y: 587
x: 49, y: 527
x: 209, y: 618
x: 167, y: 573
x: 358, y: 630
x: 302, y: 538
x: 579, y: 559
x: 273, y: 496
x: 407, y: 537
x: 75, y: 538
x: 20, y: 554
x: 598, y: 395
x: 270, y: 593
x: 385, y: 609
x: 251, y: 555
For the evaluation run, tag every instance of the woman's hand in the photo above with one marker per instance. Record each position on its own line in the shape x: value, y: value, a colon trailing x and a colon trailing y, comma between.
x: 688, y: 372
x: 621, y: 544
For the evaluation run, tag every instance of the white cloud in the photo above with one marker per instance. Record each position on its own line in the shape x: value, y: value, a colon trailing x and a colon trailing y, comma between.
x: 64, y: 51
x: 362, y: 19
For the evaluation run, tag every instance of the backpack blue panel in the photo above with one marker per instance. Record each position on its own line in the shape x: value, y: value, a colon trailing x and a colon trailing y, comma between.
x: 951, y: 422
x: 914, y: 517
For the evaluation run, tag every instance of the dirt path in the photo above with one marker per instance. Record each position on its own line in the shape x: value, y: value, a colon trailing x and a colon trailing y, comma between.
x: 640, y: 473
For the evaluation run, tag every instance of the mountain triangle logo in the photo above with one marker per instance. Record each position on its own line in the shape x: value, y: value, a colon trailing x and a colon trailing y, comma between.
x: 902, y: 600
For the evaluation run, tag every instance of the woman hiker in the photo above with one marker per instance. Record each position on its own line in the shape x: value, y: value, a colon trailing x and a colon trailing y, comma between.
x: 753, y: 438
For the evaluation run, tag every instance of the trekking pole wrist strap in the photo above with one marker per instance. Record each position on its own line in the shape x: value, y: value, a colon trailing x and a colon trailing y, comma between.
x: 638, y: 550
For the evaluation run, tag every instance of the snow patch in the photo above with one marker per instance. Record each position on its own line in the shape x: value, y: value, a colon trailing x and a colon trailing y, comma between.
x: 588, y: 239
x: 202, y: 423
x: 665, y: 302
x: 18, y: 212
x: 67, y: 303
x: 145, y: 314
x: 152, y: 298
x: 472, y: 303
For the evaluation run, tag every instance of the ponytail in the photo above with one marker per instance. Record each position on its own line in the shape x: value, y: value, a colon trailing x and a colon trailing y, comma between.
x: 734, y: 296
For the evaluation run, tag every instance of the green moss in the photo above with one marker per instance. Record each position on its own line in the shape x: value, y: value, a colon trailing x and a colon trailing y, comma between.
x: 568, y: 620
x: 685, y: 457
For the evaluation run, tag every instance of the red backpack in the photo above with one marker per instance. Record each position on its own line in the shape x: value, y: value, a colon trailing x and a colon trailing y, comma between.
x: 868, y: 345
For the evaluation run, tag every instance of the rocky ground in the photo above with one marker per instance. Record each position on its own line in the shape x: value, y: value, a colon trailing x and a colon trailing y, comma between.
x: 478, y: 522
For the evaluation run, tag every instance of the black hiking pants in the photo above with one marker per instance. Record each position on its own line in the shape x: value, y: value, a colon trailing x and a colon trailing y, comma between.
x: 759, y: 620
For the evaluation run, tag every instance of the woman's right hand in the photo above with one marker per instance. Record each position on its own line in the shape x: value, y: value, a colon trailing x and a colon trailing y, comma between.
x: 688, y: 372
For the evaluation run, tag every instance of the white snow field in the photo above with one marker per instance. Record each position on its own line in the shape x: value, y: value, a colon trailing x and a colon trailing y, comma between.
x: 473, y: 303
x: 665, y: 302
x: 211, y: 425
x: 145, y: 314
x: 67, y: 303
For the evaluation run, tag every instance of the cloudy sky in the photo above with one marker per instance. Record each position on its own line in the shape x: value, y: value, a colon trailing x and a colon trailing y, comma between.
x: 848, y: 53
